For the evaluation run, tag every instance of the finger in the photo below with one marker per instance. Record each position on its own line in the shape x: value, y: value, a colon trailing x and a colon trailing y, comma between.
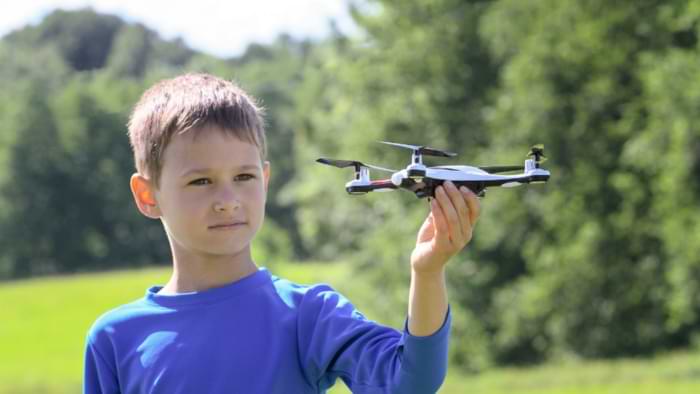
x: 451, y: 215
x: 460, y: 205
x: 462, y: 213
x: 442, y: 230
x: 474, y: 205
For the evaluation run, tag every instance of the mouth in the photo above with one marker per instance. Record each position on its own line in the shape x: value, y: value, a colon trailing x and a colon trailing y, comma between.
x: 227, y: 226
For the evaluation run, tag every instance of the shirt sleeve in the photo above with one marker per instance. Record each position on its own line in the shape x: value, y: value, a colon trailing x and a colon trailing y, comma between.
x: 337, y: 341
x: 99, y: 376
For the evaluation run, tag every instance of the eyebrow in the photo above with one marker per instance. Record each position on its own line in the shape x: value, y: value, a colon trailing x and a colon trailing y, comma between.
x: 247, y: 167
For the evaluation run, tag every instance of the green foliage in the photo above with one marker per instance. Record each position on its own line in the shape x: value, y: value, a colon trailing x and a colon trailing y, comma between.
x: 272, y: 245
x: 84, y: 38
x: 672, y: 94
x: 598, y: 267
x: 130, y: 52
x: 66, y: 209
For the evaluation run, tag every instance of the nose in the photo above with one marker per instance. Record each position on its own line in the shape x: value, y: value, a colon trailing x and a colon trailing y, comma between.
x: 226, y: 201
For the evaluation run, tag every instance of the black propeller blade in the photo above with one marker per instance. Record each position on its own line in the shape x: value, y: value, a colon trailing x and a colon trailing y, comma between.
x: 338, y: 163
x: 351, y: 163
x: 422, y: 150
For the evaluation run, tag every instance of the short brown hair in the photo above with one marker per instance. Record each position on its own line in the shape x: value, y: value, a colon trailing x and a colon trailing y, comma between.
x: 190, y: 101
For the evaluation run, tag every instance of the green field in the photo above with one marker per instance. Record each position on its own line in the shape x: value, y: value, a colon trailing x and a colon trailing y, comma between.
x: 45, y: 322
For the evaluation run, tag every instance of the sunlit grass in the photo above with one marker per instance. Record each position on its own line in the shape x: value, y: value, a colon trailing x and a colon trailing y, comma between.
x: 673, y: 373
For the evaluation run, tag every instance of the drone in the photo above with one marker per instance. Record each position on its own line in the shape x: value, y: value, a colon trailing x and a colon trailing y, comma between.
x: 423, y: 180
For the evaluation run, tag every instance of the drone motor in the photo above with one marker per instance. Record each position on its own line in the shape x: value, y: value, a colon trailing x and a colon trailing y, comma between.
x: 417, y: 170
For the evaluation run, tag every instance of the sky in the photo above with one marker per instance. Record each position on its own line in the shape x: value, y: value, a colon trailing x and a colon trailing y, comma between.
x: 223, y: 28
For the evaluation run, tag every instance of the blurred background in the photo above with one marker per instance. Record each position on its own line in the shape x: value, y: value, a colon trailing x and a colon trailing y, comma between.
x: 587, y: 284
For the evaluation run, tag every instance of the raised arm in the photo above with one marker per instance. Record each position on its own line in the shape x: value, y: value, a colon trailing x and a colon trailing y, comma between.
x: 447, y: 230
x: 336, y: 341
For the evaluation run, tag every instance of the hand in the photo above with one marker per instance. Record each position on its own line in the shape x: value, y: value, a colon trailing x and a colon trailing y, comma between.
x: 447, y: 229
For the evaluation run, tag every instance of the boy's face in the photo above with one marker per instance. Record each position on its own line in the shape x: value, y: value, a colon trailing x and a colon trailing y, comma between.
x: 211, y: 196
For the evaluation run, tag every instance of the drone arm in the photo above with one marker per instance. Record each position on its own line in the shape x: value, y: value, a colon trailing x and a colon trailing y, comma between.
x: 378, y: 185
x: 499, y: 169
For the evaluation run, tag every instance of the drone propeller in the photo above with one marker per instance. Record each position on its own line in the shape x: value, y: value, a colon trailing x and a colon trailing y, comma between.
x: 537, y: 151
x: 422, y: 150
x: 351, y: 163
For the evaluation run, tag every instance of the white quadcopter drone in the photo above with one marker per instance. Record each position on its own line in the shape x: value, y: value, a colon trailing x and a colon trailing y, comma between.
x: 422, y: 180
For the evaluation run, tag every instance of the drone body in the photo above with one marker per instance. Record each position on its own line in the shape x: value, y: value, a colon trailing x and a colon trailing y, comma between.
x: 423, y: 180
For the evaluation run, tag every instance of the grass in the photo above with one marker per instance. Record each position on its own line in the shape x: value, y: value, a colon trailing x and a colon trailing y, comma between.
x: 674, y: 373
x: 45, y: 322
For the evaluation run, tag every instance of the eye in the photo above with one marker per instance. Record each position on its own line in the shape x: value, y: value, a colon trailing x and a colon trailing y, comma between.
x: 200, y: 182
x: 244, y: 177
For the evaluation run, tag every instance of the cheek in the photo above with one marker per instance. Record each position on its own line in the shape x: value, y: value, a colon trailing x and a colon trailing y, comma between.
x: 185, y: 206
x: 257, y: 202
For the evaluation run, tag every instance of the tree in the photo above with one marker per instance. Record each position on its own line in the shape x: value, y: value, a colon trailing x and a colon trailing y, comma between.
x: 129, y: 56
x: 84, y: 38
x: 69, y: 206
x: 576, y: 76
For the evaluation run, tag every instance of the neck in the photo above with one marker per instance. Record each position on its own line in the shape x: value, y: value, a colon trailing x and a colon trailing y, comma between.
x: 197, y: 272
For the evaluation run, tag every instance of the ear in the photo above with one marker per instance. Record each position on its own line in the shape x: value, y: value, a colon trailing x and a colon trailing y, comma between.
x: 144, y: 196
x: 266, y: 174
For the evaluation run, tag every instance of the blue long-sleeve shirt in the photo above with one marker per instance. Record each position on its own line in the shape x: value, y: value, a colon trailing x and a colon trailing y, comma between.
x: 261, y: 334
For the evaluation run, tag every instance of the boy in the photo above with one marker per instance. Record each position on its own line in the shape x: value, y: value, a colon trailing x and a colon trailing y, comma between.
x: 223, y: 325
